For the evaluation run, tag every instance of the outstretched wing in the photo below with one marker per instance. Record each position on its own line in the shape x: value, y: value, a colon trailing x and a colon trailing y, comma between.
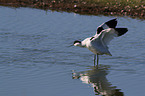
x: 109, y: 24
x: 108, y: 34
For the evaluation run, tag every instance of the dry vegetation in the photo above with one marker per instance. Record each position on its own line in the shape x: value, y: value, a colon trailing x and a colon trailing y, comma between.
x: 133, y: 8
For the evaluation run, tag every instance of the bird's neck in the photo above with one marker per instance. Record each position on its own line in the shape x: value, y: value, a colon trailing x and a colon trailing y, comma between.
x: 82, y: 45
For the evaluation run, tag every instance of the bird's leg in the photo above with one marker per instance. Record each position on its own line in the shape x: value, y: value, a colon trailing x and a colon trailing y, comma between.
x: 94, y: 59
x: 97, y: 59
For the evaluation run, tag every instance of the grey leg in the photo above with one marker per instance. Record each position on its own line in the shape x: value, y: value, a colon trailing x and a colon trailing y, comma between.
x: 97, y: 59
x: 94, y: 59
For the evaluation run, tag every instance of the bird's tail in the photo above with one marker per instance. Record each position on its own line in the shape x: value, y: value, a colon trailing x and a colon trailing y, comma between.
x: 121, y: 31
x: 108, y: 54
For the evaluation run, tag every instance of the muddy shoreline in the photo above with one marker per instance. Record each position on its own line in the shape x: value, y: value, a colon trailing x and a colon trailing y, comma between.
x: 81, y: 7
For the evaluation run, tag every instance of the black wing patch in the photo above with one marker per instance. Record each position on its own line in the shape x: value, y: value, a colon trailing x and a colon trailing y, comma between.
x: 110, y: 24
x: 99, y: 29
x: 92, y: 38
x: 121, y: 31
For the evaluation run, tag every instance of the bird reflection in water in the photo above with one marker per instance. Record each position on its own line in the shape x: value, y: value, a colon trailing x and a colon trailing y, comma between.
x: 96, y: 77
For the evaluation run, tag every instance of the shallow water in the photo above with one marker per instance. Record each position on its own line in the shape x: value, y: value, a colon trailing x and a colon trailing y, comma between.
x: 37, y: 59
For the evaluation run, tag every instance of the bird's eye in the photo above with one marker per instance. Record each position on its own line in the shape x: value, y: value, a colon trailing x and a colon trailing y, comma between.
x: 92, y: 38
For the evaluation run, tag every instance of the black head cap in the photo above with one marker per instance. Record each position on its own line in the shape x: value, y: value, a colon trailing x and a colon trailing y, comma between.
x: 77, y: 41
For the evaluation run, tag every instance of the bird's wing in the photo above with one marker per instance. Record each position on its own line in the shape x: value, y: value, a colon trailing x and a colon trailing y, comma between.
x: 109, y: 24
x: 108, y: 34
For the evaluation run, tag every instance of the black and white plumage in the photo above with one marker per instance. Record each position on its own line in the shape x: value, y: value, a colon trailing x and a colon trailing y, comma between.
x: 98, y: 43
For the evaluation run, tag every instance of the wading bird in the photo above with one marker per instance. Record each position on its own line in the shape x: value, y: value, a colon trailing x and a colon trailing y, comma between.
x: 104, y: 34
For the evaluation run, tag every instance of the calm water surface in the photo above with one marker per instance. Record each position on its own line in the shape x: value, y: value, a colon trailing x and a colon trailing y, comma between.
x: 36, y: 58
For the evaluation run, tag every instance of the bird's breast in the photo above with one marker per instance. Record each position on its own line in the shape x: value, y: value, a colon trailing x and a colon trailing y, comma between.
x: 97, y: 48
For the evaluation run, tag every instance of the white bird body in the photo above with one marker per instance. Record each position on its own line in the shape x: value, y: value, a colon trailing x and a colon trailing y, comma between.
x: 98, y: 43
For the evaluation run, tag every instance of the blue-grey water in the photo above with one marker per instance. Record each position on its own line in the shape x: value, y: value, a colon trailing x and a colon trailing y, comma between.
x: 37, y: 59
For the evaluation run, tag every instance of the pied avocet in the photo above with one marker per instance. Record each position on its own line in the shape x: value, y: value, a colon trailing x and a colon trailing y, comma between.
x: 104, y: 34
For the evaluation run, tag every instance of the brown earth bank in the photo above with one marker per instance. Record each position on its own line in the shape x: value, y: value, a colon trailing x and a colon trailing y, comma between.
x: 83, y: 7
